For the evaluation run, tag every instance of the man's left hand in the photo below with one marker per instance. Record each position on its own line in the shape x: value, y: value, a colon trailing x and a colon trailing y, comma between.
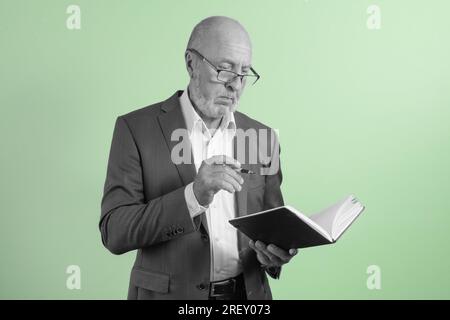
x: 270, y: 255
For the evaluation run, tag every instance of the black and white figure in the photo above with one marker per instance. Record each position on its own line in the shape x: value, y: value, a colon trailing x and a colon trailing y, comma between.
x: 176, y: 214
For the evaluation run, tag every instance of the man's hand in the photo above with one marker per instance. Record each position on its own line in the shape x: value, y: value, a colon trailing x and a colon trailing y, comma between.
x: 271, y: 255
x: 216, y: 173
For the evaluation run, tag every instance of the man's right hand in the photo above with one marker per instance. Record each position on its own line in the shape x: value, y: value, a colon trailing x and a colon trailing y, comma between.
x: 216, y: 173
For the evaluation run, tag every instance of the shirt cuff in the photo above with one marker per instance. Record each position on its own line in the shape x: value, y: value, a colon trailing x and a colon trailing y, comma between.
x: 194, y: 207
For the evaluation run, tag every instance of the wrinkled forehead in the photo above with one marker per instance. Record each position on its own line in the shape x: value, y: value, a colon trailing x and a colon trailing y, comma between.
x: 233, y: 46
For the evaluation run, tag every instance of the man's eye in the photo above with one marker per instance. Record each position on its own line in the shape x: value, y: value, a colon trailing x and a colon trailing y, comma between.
x: 225, y: 67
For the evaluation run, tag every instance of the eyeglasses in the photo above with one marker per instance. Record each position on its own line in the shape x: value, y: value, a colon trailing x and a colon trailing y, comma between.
x: 227, y: 76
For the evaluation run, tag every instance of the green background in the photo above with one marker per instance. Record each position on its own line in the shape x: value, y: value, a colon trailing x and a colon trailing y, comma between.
x: 359, y: 111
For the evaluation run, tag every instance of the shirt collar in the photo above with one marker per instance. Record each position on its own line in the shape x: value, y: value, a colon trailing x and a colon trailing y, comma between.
x: 192, y: 118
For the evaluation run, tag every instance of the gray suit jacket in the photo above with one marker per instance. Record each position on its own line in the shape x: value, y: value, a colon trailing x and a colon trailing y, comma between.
x: 143, y: 208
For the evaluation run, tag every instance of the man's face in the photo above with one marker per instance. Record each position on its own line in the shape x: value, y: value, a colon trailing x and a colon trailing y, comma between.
x: 214, y: 98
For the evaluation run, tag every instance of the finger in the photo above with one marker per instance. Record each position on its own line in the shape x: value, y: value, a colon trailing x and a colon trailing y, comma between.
x: 212, y: 160
x: 224, y: 160
x: 262, y: 258
x: 224, y: 185
x: 233, y: 174
x: 230, y: 180
x: 234, y: 180
x: 263, y: 249
x: 260, y: 245
x: 280, y: 253
x: 251, y: 244
x: 258, y: 252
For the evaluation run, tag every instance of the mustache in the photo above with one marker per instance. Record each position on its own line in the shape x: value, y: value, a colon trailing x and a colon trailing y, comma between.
x: 233, y: 97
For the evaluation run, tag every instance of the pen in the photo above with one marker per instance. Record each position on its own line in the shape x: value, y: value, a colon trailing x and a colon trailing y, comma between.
x: 242, y: 170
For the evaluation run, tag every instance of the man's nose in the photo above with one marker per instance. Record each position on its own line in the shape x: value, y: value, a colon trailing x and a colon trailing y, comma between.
x: 235, y: 84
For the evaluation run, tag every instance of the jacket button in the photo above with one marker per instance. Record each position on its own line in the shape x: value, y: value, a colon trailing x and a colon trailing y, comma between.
x: 205, y: 237
x: 180, y: 230
x: 201, y: 286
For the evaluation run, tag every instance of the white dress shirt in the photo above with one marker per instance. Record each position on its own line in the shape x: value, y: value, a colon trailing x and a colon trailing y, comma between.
x: 223, y: 236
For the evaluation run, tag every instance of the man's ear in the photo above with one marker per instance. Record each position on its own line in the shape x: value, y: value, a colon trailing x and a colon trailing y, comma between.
x: 189, y: 63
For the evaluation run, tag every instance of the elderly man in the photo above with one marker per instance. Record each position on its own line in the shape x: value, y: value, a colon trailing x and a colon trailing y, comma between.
x: 176, y: 213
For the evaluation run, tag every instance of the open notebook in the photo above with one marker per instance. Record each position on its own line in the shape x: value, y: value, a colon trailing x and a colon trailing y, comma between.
x: 288, y: 228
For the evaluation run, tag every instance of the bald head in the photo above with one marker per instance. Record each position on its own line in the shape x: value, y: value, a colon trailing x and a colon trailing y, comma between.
x: 226, y: 47
x: 217, y: 32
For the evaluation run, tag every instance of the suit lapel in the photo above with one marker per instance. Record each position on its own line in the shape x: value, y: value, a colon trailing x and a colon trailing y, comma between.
x: 171, y: 119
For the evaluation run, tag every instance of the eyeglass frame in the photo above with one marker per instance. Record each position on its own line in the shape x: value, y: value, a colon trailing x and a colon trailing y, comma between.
x: 218, y: 70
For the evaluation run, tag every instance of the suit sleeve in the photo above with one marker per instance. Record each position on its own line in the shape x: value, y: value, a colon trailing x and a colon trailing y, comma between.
x: 128, y: 222
x: 272, y: 194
